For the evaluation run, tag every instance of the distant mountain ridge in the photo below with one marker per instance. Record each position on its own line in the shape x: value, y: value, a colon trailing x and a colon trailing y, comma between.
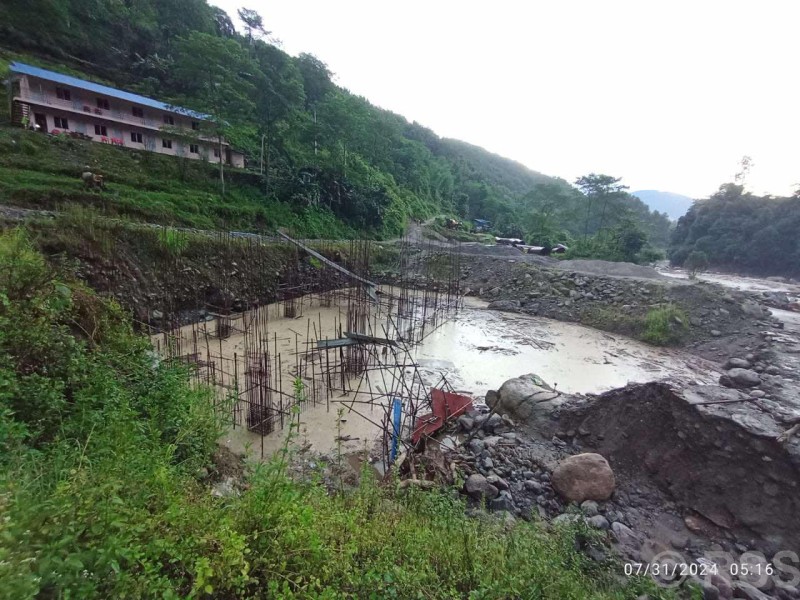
x: 675, y: 205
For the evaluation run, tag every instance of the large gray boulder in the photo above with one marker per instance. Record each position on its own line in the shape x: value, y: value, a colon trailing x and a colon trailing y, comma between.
x: 742, y: 378
x: 584, y: 477
x: 737, y: 363
x: 525, y: 398
x: 752, y: 309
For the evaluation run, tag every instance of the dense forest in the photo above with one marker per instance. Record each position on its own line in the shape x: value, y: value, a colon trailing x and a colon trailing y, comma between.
x: 324, y: 149
x: 735, y: 230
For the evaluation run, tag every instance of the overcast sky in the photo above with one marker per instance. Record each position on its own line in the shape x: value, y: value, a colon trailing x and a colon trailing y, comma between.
x: 668, y: 95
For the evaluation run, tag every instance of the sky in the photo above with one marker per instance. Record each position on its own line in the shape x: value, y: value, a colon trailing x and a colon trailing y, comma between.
x: 667, y: 95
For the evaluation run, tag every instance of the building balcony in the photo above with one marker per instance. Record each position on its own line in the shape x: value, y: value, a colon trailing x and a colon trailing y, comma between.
x: 79, y: 106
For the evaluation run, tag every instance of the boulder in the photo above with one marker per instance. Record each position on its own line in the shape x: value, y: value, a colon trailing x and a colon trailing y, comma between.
x: 478, y: 487
x: 737, y: 363
x: 598, y: 522
x: 744, y: 378
x: 751, y: 309
x: 584, y: 477
x: 526, y: 398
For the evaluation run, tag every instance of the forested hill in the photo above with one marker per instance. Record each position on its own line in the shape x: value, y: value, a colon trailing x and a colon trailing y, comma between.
x: 735, y: 230
x: 326, y: 150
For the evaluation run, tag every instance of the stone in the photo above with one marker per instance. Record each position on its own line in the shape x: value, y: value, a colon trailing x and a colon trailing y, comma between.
x: 491, y: 441
x: 533, y: 486
x: 466, y: 423
x: 476, y: 446
x: 584, y: 477
x: 744, y: 377
x: 503, y: 502
x: 737, y: 363
x: 772, y: 370
x: 722, y: 584
x: 498, y: 482
x: 785, y: 590
x: 751, y: 309
x: 492, y: 422
x: 716, y: 333
x: 590, y: 508
x: 598, y: 522
x: 624, y: 534
x: 565, y: 518
x: 742, y: 589
x: 478, y: 487
x: 757, y: 393
x: 224, y: 489
x: 709, y: 591
x: 753, y: 570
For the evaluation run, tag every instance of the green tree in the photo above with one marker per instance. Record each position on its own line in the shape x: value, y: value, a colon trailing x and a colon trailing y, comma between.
x: 599, y: 189
x: 696, y: 262
x: 216, y: 72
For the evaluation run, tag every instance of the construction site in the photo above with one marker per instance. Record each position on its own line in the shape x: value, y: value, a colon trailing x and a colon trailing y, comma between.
x: 333, y: 352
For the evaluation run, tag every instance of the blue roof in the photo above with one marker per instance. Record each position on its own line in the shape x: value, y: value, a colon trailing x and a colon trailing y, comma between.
x: 24, y: 69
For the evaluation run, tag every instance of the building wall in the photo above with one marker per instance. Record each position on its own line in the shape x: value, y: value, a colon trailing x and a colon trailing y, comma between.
x: 83, y: 115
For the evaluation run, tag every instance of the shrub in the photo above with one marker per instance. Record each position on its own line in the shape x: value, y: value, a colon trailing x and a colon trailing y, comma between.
x: 665, y: 326
x: 695, y: 263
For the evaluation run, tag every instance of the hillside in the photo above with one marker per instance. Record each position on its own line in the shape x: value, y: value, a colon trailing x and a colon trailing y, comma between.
x: 333, y: 163
x: 674, y: 205
x: 369, y: 168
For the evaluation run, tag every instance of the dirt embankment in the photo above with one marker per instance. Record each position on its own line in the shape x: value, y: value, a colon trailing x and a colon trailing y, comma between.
x: 712, y: 450
x: 166, y: 277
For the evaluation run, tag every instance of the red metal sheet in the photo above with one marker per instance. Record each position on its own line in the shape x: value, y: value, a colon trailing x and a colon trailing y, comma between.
x: 446, y: 406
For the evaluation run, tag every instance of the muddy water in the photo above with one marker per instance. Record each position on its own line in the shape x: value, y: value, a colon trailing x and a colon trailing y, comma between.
x: 738, y: 282
x: 476, y: 351
x: 749, y: 284
x: 481, y: 349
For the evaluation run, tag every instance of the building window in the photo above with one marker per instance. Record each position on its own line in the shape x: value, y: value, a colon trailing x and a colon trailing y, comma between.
x: 194, y: 149
x: 195, y: 125
x: 168, y: 120
x: 62, y: 94
x: 136, y: 137
x: 60, y: 123
x: 100, y: 130
x: 103, y: 103
x: 166, y: 143
x: 216, y: 152
x: 138, y: 112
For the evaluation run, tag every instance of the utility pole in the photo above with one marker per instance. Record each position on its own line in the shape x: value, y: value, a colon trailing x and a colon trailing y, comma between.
x: 315, y: 130
x: 263, y: 135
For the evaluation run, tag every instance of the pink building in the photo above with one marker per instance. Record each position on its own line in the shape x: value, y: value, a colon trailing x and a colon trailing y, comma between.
x: 51, y: 102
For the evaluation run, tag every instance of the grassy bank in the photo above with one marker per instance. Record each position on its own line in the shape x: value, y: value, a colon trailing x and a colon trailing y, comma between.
x: 99, y: 483
x: 43, y: 172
